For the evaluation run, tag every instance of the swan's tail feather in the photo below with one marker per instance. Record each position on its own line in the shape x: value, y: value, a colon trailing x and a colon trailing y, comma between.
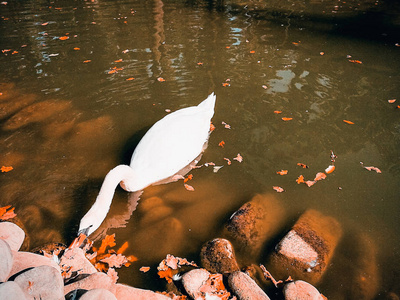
x: 209, y: 103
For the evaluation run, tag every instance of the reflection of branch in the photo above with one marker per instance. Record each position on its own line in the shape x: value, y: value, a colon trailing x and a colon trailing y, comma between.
x: 159, y: 27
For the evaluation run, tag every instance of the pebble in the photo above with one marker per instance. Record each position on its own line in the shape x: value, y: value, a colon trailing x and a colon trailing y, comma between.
x: 24, y: 260
x: 126, y: 292
x: 193, y: 280
x: 98, y: 294
x: 245, y: 288
x: 6, y: 260
x: 10, y: 290
x: 12, y: 234
x: 255, y: 223
x: 306, y: 250
x: 301, y: 290
x: 218, y: 256
x: 43, y: 282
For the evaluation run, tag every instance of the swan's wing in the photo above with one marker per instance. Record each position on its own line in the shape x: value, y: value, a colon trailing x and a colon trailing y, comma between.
x: 169, y: 145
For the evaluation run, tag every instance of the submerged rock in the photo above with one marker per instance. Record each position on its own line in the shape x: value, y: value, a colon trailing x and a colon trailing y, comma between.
x: 218, y: 256
x: 245, y: 288
x: 253, y: 224
x: 305, y: 252
x: 301, y: 290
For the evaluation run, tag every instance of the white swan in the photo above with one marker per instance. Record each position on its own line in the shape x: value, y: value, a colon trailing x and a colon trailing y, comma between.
x: 170, y: 144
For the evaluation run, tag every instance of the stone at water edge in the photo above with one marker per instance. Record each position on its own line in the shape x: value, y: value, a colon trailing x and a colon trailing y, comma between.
x: 12, y: 234
x: 76, y: 259
x: 305, y: 252
x: 43, y: 282
x: 245, y: 288
x: 254, y: 223
x: 25, y: 260
x: 125, y: 292
x: 6, y: 260
x: 98, y: 294
x: 218, y: 256
x: 193, y: 280
x: 301, y: 290
x: 93, y: 281
x: 10, y: 290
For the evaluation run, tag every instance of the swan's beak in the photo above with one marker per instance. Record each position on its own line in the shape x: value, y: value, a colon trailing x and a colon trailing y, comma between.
x: 84, y: 231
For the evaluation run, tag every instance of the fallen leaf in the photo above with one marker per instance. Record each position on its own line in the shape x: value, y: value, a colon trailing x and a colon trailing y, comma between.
x: 199, y: 63
x: 221, y: 144
x: 278, y: 189
x: 115, y: 260
x: 277, y: 111
x: 167, y: 274
x: 330, y: 169
x: 112, y: 274
x: 77, y: 48
x: 319, y: 176
x: 160, y: 79
x: 377, y: 170
x: 228, y: 161
x: 6, y: 215
x: 112, y: 71
x: 216, y: 168
x: 239, y: 158
x: 227, y: 126
x: 212, y: 127
x: 123, y: 248
x: 189, y: 177
x: 189, y: 187
x: 282, y: 172
x: 144, y: 269
x: 118, y: 60
x: 392, y: 100
x: 108, y: 241
x: 348, y: 122
x: 225, y: 84
x: 304, y: 166
x: 264, y: 86
x: 286, y: 119
x: 46, y: 23
x: 252, y: 51
x: 300, y: 179
x: 63, y: 38
x: 310, y: 183
x: 355, y: 61
x: 321, y: 53
x: 6, y: 169
x: 87, y: 61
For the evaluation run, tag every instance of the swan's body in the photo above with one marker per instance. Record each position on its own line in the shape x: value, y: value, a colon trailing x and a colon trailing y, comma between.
x: 170, y: 145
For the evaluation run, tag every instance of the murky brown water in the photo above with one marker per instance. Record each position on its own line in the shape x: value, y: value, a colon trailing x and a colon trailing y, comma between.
x: 73, y: 108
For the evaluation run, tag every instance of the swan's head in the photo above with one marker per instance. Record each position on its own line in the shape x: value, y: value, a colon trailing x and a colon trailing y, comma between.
x: 92, y: 220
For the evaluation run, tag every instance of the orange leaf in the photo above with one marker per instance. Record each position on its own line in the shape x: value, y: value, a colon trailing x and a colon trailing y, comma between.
x: 77, y: 48
x: 355, y: 61
x: 252, y: 51
x: 348, y: 122
x: 78, y: 241
x: 144, y: 269
x: 115, y: 260
x: 221, y: 144
x: 6, y: 215
x: 112, y: 71
x: 63, y: 38
x: 300, y: 179
x: 278, y: 189
x: 6, y: 169
x: 330, y: 169
x: 373, y: 169
x: 167, y: 274
x: 130, y: 78
x: 123, y: 248
x: 87, y: 61
x: 112, y: 274
x: 225, y: 84
x: 239, y: 158
x: 392, y: 100
x: 228, y: 161
x: 160, y: 79
x: 212, y: 127
x: 189, y: 177
x: 277, y: 111
x: 304, y: 166
x: 109, y: 240
x: 227, y: 126
x: 282, y: 172
x: 199, y: 63
x: 118, y: 60
x: 319, y: 176
x: 189, y: 187
x: 310, y: 183
x: 286, y: 119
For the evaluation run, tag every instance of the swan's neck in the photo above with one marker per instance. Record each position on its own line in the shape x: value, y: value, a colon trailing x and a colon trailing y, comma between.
x: 97, y: 213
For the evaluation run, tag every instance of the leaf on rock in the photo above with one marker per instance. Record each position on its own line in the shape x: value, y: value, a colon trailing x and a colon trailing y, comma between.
x: 115, y: 260
x: 277, y: 111
x: 112, y: 274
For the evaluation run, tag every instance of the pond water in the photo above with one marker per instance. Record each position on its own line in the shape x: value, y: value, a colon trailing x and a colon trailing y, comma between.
x: 81, y: 82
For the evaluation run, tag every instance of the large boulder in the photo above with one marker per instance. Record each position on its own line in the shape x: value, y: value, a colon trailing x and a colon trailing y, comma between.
x: 12, y: 234
x: 6, y: 260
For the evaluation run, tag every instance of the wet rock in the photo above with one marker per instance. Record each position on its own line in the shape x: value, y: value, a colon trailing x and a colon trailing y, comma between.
x: 42, y: 282
x: 255, y: 223
x: 6, y: 260
x: 12, y: 234
x: 25, y: 260
x: 301, y: 290
x: 364, y: 265
x: 193, y: 280
x: 96, y: 280
x: 36, y: 112
x: 245, y: 288
x: 305, y: 252
x: 10, y: 290
x: 125, y: 292
x: 218, y: 256
x: 168, y: 233
x: 76, y: 259
x: 98, y: 294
